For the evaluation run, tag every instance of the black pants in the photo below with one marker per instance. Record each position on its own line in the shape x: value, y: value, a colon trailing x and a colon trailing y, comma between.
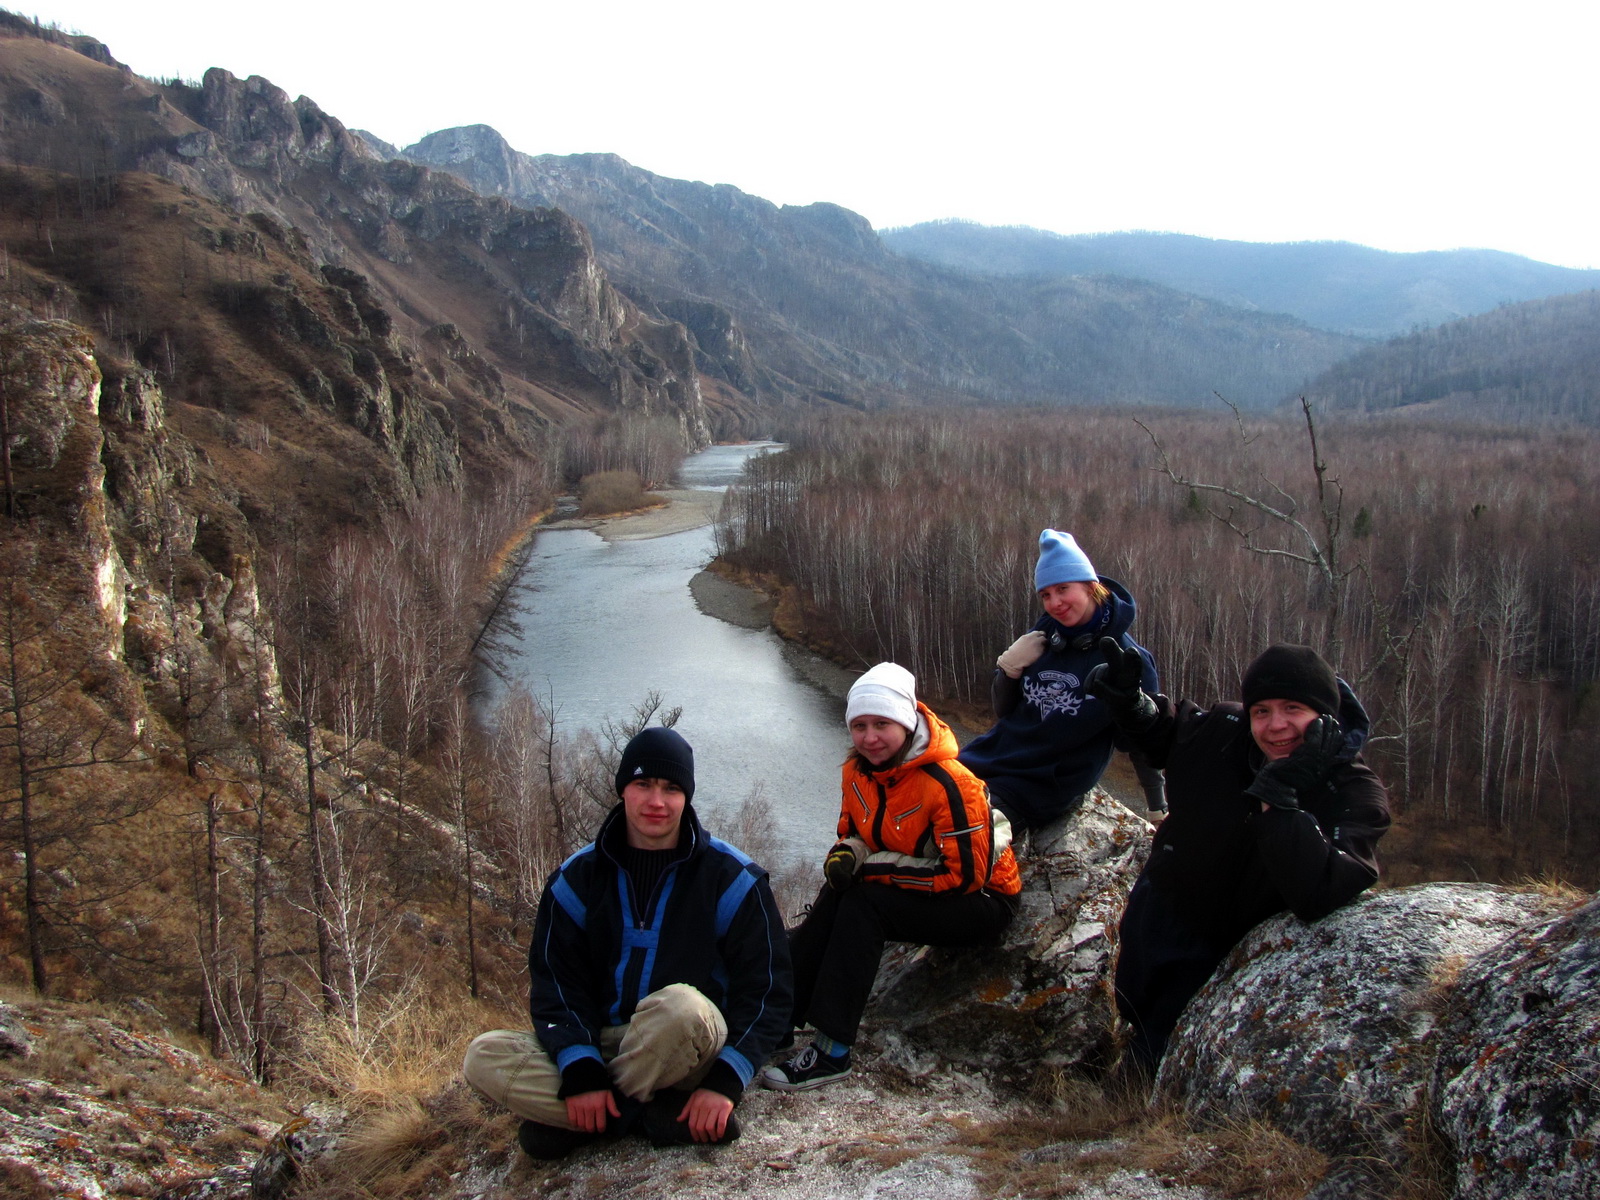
x: 837, y: 947
x: 1161, y: 964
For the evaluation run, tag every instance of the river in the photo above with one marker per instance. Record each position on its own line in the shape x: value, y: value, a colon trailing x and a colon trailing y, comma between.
x: 607, y: 622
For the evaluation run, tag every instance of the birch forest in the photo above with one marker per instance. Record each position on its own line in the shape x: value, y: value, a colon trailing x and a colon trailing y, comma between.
x: 1450, y: 574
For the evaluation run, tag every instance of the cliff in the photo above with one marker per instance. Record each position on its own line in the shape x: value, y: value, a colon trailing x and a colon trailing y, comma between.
x: 829, y: 312
x: 233, y: 213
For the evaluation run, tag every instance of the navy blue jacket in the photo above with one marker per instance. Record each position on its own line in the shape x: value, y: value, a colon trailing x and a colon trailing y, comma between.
x: 710, y: 922
x: 1053, y: 740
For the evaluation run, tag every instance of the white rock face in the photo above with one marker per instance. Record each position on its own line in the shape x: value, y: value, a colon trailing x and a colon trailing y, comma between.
x: 54, y: 384
x: 1041, y: 999
x: 1516, y: 1087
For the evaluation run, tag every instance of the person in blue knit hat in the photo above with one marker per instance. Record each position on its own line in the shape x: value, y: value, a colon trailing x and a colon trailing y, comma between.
x: 1051, y: 740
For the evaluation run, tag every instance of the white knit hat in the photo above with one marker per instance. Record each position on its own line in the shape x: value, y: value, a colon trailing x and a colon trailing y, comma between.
x: 888, y: 690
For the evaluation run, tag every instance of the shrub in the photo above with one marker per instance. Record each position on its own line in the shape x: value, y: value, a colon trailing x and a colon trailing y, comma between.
x: 607, y: 492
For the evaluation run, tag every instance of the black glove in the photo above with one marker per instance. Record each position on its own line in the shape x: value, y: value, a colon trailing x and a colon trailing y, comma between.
x: 1283, y: 781
x: 839, y: 868
x: 1115, y: 683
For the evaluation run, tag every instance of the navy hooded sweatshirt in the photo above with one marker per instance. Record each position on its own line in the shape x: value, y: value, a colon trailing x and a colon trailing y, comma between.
x: 1053, y: 740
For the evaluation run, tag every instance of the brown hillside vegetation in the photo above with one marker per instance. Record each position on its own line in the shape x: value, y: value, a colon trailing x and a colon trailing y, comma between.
x: 288, y: 376
x: 526, y: 319
x: 261, y: 801
x: 1534, y: 362
x: 277, y: 421
x: 1465, y: 591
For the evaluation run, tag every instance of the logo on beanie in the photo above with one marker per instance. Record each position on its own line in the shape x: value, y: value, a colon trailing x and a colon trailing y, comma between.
x: 638, y: 770
x: 1052, y: 692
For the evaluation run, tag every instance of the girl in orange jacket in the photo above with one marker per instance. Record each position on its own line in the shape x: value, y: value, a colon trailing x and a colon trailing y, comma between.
x: 921, y: 857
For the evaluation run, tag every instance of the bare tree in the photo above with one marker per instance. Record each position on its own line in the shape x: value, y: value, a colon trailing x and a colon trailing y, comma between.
x: 1315, y: 536
x: 47, y: 726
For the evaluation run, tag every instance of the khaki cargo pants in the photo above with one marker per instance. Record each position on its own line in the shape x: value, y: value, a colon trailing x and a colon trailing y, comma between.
x: 672, y: 1040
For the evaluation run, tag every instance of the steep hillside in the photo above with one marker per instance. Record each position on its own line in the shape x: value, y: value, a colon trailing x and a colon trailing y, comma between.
x: 276, y: 417
x: 264, y: 264
x: 1332, y: 285
x: 807, y: 301
x: 1536, y: 361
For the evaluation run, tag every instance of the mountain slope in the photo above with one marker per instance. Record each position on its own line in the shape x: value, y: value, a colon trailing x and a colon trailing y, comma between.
x: 1537, y: 361
x: 1332, y: 285
x: 387, y: 296
x: 807, y: 301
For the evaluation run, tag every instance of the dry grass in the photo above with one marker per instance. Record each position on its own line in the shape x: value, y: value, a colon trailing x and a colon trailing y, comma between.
x: 1554, y: 889
x: 410, y: 1045
x: 1090, y: 1131
x: 607, y: 492
x: 1245, y: 1158
x: 1431, y: 1173
x: 390, y: 1152
x: 412, y: 1117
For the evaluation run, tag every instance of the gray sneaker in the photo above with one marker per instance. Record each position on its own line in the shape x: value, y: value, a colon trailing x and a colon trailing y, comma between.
x: 805, y: 1069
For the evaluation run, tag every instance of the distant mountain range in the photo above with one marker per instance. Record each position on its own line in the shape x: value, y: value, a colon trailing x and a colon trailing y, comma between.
x: 807, y: 302
x: 501, y: 292
x: 1331, y: 285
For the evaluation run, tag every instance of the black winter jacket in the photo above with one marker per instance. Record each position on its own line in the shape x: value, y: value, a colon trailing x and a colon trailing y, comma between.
x: 1234, y: 865
x: 710, y: 922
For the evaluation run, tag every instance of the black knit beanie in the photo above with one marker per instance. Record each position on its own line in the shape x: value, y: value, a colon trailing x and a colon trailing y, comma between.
x: 658, y: 753
x: 1291, y: 673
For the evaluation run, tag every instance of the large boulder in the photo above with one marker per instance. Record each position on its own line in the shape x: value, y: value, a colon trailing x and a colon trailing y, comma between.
x: 1327, y: 1031
x: 1041, y: 1000
x: 1516, y: 1086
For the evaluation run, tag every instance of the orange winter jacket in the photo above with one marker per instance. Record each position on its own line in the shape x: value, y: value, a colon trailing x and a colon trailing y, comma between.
x: 926, y: 824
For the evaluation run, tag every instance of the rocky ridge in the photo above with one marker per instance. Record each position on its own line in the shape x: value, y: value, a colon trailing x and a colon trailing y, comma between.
x: 805, y: 301
x: 519, y: 290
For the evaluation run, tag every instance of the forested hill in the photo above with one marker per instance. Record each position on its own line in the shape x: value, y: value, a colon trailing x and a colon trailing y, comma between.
x: 265, y: 264
x: 1332, y: 285
x: 801, y: 301
x: 1537, y: 361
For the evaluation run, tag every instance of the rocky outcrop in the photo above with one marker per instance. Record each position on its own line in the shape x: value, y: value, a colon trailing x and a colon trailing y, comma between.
x: 832, y: 314
x: 302, y: 1143
x: 1333, y: 1032
x: 1041, y: 1001
x: 555, y: 308
x: 53, y: 385
x: 138, y: 1115
x: 1516, y: 1087
x: 15, y: 1041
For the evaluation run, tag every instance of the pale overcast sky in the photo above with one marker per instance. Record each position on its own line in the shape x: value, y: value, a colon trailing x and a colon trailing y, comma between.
x: 1401, y: 124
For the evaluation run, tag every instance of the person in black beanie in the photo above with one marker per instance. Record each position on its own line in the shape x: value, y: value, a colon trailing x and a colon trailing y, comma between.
x: 660, y: 977
x: 1270, y: 808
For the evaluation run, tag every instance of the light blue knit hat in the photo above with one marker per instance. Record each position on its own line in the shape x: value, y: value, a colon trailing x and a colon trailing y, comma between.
x: 1061, y: 561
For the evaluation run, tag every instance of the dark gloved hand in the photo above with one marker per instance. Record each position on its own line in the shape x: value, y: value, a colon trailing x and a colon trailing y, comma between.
x: 1283, y: 781
x: 1115, y: 683
x: 839, y: 868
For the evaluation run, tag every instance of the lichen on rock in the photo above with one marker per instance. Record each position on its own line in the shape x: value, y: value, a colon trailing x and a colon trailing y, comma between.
x: 1039, y: 1001
x: 1516, y: 1086
x: 1329, y: 1030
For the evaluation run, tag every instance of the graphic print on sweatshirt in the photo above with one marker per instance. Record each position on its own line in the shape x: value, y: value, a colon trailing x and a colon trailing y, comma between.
x: 1053, y: 692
